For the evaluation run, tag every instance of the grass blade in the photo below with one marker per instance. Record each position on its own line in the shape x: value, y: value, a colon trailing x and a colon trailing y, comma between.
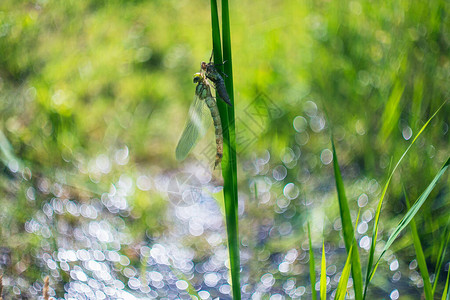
x: 441, y: 256
x: 392, y: 111
x: 228, y: 70
x: 411, y: 213
x: 323, y: 275
x: 341, y: 290
x: 228, y: 65
x: 419, y: 254
x: 446, y: 293
x: 370, y: 269
x: 229, y: 169
x: 347, y: 228
x: 312, y: 266
x: 190, y: 289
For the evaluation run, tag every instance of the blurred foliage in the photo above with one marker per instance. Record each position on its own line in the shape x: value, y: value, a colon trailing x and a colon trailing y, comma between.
x: 94, y: 94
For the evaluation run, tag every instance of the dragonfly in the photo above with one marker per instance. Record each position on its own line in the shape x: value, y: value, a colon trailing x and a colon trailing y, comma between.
x: 198, y: 120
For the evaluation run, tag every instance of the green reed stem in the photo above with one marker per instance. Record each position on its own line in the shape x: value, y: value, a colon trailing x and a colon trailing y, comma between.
x: 229, y: 166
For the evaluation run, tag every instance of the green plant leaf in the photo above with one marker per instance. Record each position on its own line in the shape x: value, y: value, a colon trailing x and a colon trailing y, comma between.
x: 312, y: 266
x: 347, y: 227
x: 323, y: 275
x: 341, y: 290
x: 441, y: 257
x: 392, y: 111
x: 446, y: 292
x: 411, y: 213
x: 370, y: 271
x: 419, y: 254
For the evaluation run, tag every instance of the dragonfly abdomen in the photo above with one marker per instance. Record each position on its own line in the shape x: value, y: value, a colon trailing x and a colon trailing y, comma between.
x: 212, y: 105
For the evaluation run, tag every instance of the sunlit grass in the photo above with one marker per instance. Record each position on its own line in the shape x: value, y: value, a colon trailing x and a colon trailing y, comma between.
x: 323, y: 274
x: 347, y: 228
x: 419, y: 254
x: 404, y: 223
x: 441, y: 257
x: 348, y: 231
x: 370, y: 271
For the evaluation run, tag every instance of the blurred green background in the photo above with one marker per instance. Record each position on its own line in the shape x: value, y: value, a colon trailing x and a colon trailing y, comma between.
x: 93, y: 99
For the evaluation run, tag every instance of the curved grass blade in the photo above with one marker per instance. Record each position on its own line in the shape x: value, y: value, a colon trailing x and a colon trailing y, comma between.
x: 441, y: 256
x: 197, y: 123
x: 229, y: 171
x: 347, y: 228
x: 190, y: 289
x: 446, y: 292
x: 419, y: 253
x: 410, y: 214
x: 370, y: 270
x: 323, y: 275
x: 312, y: 266
x: 341, y: 290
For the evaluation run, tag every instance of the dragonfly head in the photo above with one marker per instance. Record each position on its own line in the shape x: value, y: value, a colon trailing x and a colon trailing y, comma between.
x: 198, y: 77
x: 204, y: 65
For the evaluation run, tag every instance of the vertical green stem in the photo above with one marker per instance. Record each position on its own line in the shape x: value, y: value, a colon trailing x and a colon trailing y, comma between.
x: 228, y: 68
x: 229, y: 167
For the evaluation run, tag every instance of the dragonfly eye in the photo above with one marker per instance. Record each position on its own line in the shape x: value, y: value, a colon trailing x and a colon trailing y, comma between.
x: 197, y: 77
x: 204, y: 65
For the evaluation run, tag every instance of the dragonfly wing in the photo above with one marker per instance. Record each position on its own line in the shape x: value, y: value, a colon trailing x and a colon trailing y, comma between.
x: 197, y: 123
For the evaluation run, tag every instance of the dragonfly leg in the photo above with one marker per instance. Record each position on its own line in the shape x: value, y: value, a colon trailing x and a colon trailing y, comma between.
x: 212, y: 53
x: 218, y: 160
x: 222, y: 73
x: 221, y: 63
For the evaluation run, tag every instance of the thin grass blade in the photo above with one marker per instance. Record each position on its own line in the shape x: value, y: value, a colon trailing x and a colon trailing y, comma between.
x: 370, y: 269
x: 441, y: 257
x: 312, y: 266
x: 419, y: 254
x: 392, y: 111
x: 411, y: 213
x: 341, y: 290
x: 323, y: 275
x: 190, y: 289
x: 446, y: 292
x: 347, y: 228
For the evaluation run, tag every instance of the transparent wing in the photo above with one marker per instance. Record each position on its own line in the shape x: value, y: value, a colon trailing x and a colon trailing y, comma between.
x: 197, y: 123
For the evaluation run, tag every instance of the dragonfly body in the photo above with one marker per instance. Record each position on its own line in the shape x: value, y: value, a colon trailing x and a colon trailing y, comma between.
x: 204, y: 93
x: 212, y: 105
x: 196, y: 124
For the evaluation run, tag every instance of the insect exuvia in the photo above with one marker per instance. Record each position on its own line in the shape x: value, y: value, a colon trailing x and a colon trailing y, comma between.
x: 198, y: 120
x: 219, y: 84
